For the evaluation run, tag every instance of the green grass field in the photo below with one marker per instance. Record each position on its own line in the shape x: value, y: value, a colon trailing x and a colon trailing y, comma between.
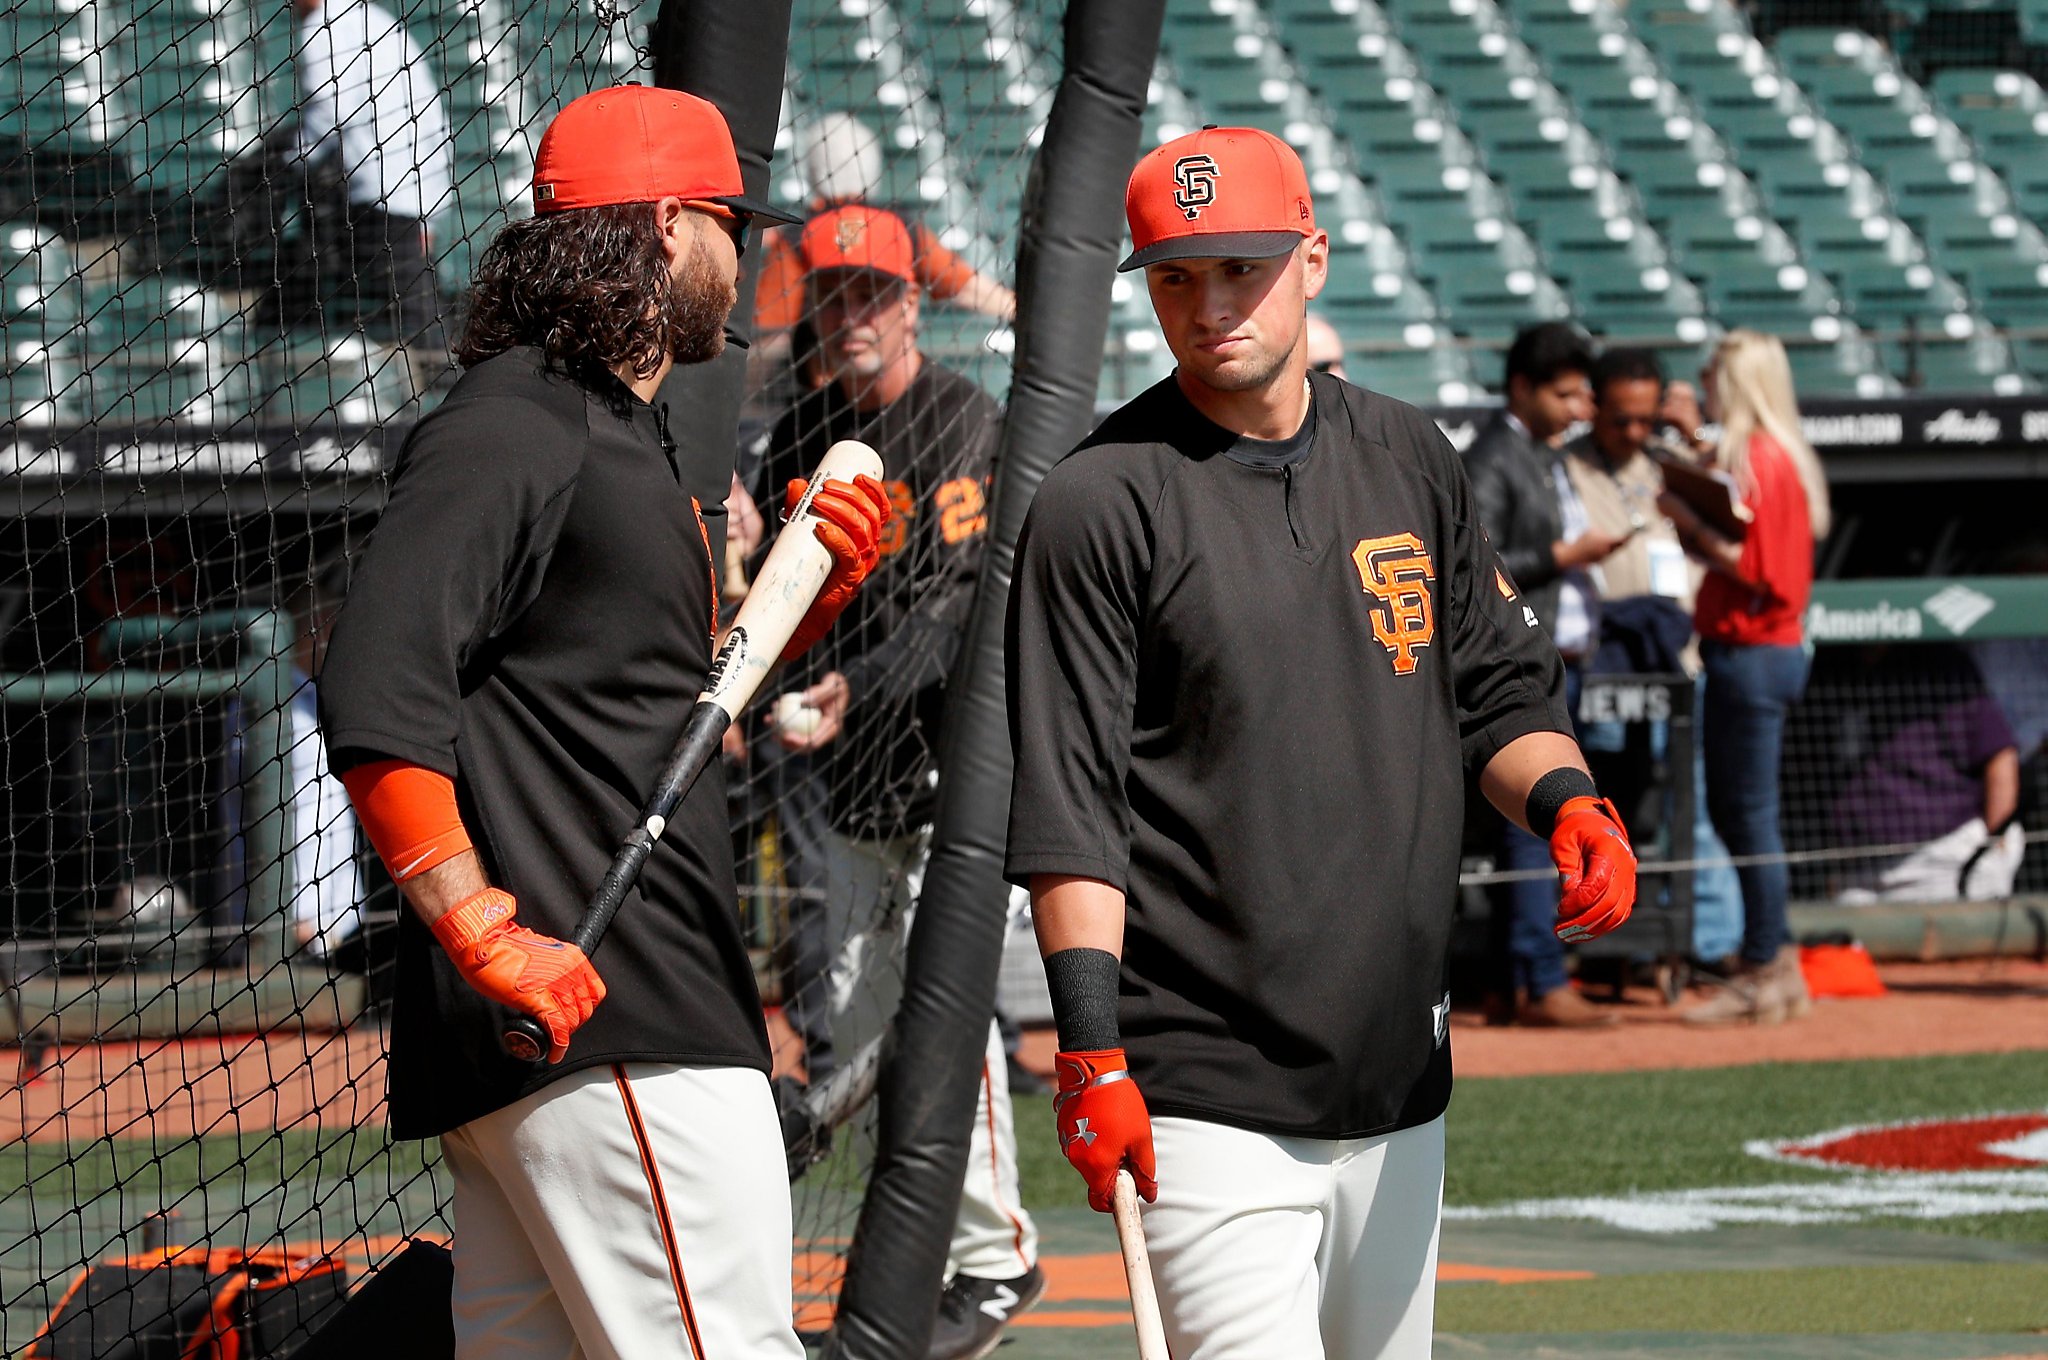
x: 1509, y: 1139
x: 1516, y: 1138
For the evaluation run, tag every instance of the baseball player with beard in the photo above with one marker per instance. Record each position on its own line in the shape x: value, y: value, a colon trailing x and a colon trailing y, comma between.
x: 1257, y: 645
x: 519, y: 648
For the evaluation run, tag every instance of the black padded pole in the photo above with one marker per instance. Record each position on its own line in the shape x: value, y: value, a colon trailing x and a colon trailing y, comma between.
x: 1066, y: 261
x: 731, y: 52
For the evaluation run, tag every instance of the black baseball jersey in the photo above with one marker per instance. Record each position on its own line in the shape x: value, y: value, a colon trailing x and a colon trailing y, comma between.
x: 1249, y: 696
x: 533, y: 618
x: 897, y: 640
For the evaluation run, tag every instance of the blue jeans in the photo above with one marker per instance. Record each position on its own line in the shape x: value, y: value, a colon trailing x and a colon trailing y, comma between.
x: 1749, y: 691
x: 1535, y: 956
x: 1716, y: 892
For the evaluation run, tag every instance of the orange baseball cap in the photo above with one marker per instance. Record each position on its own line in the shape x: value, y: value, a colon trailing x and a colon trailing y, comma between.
x: 636, y: 144
x: 859, y: 237
x: 1228, y: 192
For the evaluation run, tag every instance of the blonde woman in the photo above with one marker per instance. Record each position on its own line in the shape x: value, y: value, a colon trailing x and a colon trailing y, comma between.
x: 1750, y: 616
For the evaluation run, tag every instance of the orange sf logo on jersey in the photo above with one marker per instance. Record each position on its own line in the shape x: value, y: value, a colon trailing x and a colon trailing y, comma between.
x: 1395, y: 571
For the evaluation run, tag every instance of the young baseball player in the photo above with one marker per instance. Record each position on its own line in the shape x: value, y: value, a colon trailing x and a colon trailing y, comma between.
x: 522, y: 641
x: 1257, y: 643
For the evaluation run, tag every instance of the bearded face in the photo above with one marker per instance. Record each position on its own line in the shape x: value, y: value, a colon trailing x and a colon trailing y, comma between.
x: 699, y: 301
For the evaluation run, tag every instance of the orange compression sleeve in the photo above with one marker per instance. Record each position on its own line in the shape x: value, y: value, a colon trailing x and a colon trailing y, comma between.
x: 409, y: 814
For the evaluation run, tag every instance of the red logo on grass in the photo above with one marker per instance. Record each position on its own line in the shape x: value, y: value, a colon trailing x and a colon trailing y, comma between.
x: 1991, y: 1142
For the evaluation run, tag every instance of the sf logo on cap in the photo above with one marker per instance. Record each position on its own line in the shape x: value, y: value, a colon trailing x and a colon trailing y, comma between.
x: 1194, y: 179
x: 848, y: 233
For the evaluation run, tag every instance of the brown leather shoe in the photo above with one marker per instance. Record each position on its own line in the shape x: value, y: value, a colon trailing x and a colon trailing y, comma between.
x: 1564, y: 1009
x: 1757, y: 994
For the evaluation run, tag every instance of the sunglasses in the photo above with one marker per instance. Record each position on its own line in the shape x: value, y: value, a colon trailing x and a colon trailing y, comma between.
x: 737, y: 224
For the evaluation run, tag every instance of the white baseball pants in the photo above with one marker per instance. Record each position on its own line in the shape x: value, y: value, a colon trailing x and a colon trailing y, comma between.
x: 994, y: 1238
x: 629, y: 1212
x: 1307, y: 1248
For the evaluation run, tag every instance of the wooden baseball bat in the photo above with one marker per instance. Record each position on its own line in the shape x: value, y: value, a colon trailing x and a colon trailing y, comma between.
x: 1130, y: 1236
x: 790, y: 579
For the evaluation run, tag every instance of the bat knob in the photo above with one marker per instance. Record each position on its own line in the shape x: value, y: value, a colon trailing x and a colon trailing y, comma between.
x: 524, y: 1040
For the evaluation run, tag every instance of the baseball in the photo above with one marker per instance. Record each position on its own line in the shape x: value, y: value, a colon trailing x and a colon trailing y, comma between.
x: 794, y: 716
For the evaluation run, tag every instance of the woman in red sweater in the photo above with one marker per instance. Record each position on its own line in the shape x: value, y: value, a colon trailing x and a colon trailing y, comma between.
x: 1750, y: 616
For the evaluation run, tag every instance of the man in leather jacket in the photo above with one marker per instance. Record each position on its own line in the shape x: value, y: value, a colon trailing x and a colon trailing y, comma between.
x: 1524, y: 501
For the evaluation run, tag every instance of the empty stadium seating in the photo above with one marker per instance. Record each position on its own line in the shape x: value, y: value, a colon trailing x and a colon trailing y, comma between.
x: 1659, y: 170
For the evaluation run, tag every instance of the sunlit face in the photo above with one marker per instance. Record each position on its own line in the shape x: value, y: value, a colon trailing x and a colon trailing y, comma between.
x: 1626, y: 416
x: 717, y: 237
x: 1551, y: 408
x: 1233, y: 324
x: 866, y: 320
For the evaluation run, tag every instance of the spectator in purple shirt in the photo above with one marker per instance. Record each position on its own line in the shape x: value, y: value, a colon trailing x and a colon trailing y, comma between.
x: 1943, y: 779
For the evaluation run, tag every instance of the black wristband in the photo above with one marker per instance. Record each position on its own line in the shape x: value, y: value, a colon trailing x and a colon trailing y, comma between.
x: 1084, y: 985
x: 1552, y: 792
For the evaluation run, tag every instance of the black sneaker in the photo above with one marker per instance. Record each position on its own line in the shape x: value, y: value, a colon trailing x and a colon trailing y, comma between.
x: 973, y: 1313
x: 1025, y: 1082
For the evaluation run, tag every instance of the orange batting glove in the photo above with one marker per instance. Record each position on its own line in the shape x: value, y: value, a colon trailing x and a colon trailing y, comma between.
x: 520, y: 969
x: 1597, y: 866
x: 1103, y: 1124
x: 850, y: 520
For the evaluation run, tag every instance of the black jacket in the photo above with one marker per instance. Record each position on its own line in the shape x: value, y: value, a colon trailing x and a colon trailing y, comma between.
x: 531, y: 618
x: 1249, y: 697
x: 1517, y: 502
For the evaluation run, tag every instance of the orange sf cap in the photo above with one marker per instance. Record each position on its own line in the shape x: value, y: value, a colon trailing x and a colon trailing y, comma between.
x: 636, y: 144
x: 1232, y: 193
x: 859, y: 237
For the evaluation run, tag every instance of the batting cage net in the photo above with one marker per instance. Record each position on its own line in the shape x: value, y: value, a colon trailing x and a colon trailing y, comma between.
x: 235, y: 238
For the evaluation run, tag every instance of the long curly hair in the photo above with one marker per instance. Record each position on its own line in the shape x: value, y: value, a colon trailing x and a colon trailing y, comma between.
x: 591, y: 289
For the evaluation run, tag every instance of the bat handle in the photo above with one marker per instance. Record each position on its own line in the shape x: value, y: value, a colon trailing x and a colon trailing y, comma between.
x: 525, y: 1039
x: 1130, y: 1236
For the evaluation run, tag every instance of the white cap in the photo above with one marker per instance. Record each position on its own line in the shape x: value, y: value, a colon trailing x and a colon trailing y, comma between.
x: 842, y: 158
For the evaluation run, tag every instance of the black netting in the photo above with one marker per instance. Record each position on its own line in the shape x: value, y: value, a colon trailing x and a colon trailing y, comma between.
x: 235, y: 241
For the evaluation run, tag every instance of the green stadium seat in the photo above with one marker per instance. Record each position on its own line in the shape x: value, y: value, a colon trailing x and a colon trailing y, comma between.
x: 1319, y: 37
x: 311, y: 380
x: 2004, y: 112
x: 156, y: 349
x: 1494, y: 308
x: 1971, y: 253
x: 971, y: 345
x: 1787, y: 299
x: 2012, y: 295
x: 40, y: 302
x: 188, y: 74
x: 1135, y: 356
x: 2033, y: 21
x: 1967, y: 363
x: 41, y: 384
x: 1440, y: 374
x: 1848, y: 366
x: 1888, y: 297
x: 2032, y: 357
x: 61, y: 77
x: 41, y: 293
x: 1676, y: 29
x: 1169, y: 113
